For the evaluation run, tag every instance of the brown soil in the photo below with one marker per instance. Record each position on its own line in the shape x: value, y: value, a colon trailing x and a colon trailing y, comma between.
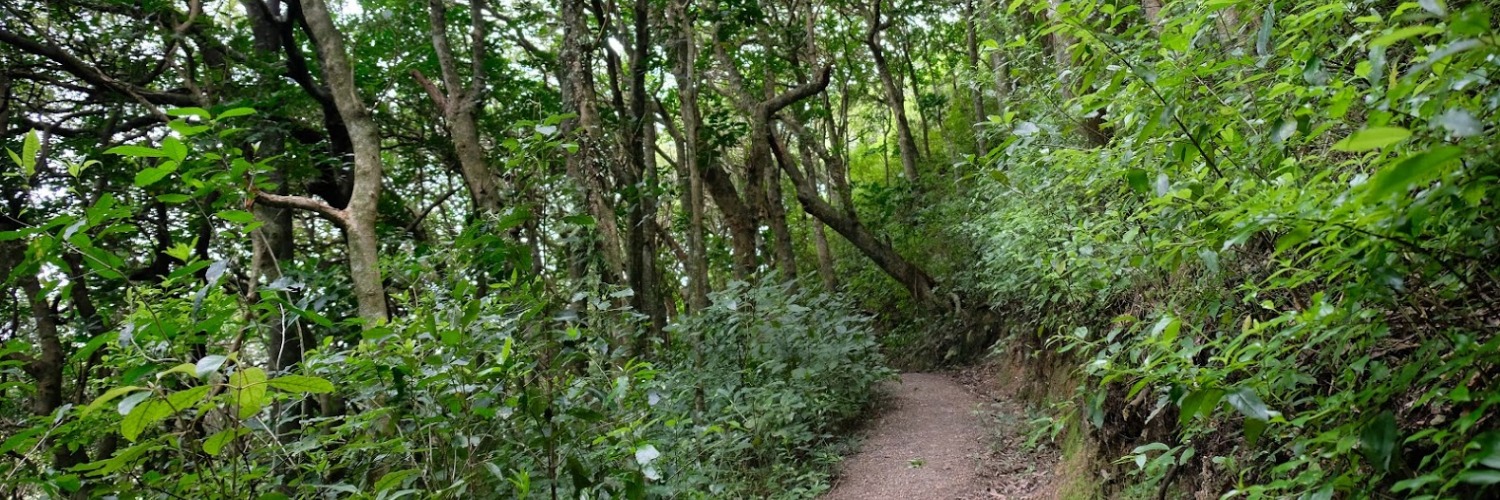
x: 934, y: 439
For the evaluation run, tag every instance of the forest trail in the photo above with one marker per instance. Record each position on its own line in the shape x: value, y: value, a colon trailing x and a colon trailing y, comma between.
x: 926, y: 443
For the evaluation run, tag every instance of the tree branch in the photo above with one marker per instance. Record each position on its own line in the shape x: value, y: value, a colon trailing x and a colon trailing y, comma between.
x: 334, y: 215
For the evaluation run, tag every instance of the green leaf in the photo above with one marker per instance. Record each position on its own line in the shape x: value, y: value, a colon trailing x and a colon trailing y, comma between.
x: 236, y: 112
x: 1372, y: 138
x: 1378, y: 441
x: 20, y: 439
x: 187, y: 130
x: 1489, y: 449
x: 580, y: 220
x: 208, y: 364
x: 215, y: 443
x: 187, y: 368
x: 189, y: 111
x: 1402, y: 34
x: 174, y: 198
x: 1292, y: 238
x: 1199, y: 402
x: 108, y: 396
x: 1249, y: 404
x: 1253, y: 430
x: 187, y: 398
x: 236, y: 216
x: 128, y: 404
x: 1480, y: 477
x: 144, y: 415
x: 1419, y: 169
x: 152, y: 175
x: 174, y: 148
x: 135, y: 152
x: 302, y: 384
x: 1139, y: 180
x: 248, y: 391
x: 395, y: 478
x: 1166, y: 329
x: 29, y: 148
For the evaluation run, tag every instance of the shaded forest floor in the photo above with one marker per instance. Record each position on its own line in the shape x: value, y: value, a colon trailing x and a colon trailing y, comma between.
x: 947, y: 436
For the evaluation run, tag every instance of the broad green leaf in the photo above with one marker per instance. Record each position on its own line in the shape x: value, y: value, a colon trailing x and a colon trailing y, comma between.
x: 1378, y: 441
x: 1138, y: 180
x: 30, y: 146
x: 248, y: 391
x: 187, y: 130
x: 1480, y: 477
x: 186, y: 368
x: 301, y: 384
x: 236, y: 112
x: 1296, y: 236
x: 208, y: 364
x: 1249, y: 404
x: 1253, y: 430
x: 1489, y: 449
x: 187, y: 398
x: 189, y: 111
x: 135, y: 152
x: 174, y: 148
x: 1372, y: 138
x: 142, y: 416
x: 152, y: 175
x: 215, y: 443
x: 1166, y: 328
x: 394, y: 479
x: 1199, y: 402
x: 108, y: 396
x: 128, y: 404
x: 23, y: 437
x: 1402, y: 34
x: 174, y: 198
x: 1419, y: 169
x: 236, y: 216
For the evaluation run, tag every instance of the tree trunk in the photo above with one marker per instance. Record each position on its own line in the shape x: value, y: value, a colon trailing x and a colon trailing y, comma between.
x: 364, y: 249
x: 916, y: 281
x: 459, y: 103
x: 685, y: 56
x: 641, y: 262
x: 971, y: 41
x: 894, y: 93
x: 585, y: 164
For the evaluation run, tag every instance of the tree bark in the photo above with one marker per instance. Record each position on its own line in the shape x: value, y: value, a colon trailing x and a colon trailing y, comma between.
x: 684, y: 72
x: 895, y: 95
x: 916, y: 281
x: 460, y: 103
x: 364, y: 249
x: 971, y: 42
x: 586, y: 163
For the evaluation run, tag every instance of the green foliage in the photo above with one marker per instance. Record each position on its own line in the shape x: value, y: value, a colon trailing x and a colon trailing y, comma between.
x: 477, y: 388
x: 1290, y: 236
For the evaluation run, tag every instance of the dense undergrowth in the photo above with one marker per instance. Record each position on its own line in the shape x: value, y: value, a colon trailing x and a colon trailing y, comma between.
x: 1277, y: 279
x: 499, y: 389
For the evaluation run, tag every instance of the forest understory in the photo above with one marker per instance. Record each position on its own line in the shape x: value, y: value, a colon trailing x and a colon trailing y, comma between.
x: 607, y: 249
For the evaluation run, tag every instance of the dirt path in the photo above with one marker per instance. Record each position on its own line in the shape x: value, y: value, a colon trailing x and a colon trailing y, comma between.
x: 926, y: 444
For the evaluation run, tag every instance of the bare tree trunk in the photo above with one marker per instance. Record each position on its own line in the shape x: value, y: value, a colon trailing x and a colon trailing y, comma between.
x: 916, y: 281
x: 641, y: 260
x: 894, y: 93
x: 916, y: 87
x: 971, y: 41
x: 364, y: 249
x: 459, y: 103
x: 585, y: 164
x: 684, y: 54
x: 687, y: 88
